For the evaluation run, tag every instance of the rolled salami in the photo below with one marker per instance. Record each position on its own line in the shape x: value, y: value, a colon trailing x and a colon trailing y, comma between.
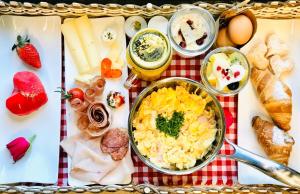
x: 99, y: 117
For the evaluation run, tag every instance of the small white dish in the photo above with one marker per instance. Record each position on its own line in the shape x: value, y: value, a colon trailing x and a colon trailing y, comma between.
x: 159, y: 23
x: 40, y: 164
x: 133, y: 24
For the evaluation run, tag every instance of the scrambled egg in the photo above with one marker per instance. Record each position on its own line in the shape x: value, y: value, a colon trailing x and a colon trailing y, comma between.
x: 196, y: 135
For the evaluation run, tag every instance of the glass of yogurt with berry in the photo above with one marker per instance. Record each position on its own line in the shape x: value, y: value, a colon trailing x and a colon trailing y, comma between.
x: 225, y: 71
x: 192, y: 31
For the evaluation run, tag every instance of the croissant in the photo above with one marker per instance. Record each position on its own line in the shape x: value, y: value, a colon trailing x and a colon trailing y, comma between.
x: 275, y: 95
x: 280, y: 65
x: 276, y: 143
x: 276, y: 46
x: 257, y: 55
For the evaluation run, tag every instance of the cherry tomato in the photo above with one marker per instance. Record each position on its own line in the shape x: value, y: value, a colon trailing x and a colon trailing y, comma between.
x: 75, y: 93
x: 72, y: 94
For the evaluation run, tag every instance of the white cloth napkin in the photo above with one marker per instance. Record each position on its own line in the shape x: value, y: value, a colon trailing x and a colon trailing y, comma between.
x: 90, y: 164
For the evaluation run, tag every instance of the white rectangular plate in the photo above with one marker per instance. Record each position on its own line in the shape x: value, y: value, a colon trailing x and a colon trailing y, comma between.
x: 40, y: 165
x: 249, y: 105
x: 120, y: 115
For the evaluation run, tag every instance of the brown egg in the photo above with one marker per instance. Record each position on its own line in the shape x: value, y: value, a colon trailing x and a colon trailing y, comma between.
x: 223, y: 38
x: 240, y: 29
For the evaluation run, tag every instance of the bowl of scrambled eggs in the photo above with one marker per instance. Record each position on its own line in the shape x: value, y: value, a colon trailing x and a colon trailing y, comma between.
x: 176, y: 126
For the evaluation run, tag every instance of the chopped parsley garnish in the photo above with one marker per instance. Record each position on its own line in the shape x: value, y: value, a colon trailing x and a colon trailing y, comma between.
x: 109, y: 36
x: 171, y: 126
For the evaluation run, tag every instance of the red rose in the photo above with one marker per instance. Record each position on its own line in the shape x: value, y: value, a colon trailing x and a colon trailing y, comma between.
x: 19, y: 146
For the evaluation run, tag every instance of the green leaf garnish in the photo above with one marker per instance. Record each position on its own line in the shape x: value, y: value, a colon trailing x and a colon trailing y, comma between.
x: 171, y: 126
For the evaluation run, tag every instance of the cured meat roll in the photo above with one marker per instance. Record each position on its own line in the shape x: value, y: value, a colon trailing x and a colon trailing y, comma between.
x: 98, y: 85
x: 99, y: 117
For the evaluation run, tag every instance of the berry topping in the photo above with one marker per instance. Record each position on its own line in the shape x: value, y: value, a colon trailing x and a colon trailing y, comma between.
x: 199, y: 41
x: 219, y: 68
x: 182, y: 44
x: 236, y: 74
x: 189, y: 22
x: 233, y: 86
x: 228, y: 78
x: 179, y: 33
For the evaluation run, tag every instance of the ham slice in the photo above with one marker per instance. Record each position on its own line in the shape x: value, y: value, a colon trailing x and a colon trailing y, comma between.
x: 90, y: 164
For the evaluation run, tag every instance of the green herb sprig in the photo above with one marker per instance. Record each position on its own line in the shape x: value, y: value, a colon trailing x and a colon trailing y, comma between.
x: 171, y: 126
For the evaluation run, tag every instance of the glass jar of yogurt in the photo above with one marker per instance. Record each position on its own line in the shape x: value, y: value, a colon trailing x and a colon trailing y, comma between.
x: 192, y: 31
x: 225, y: 71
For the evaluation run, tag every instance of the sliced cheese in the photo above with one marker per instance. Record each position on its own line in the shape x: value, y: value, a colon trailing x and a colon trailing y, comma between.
x: 115, y: 51
x: 84, y: 79
x: 74, y: 44
x: 89, y: 41
x: 114, y: 54
x: 119, y: 63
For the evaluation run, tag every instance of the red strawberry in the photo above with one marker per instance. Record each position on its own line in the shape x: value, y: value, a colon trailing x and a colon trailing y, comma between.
x: 27, y: 52
x: 28, y: 94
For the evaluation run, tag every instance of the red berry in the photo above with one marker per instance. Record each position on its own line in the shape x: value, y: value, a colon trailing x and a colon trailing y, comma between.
x: 199, y: 41
x: 236, y: 74
x: 182, y: 44
x: 179, y: 33
x: 219, y: 68
x: 27, y: 52
x: 189, y: 22
x: 228, y: 78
